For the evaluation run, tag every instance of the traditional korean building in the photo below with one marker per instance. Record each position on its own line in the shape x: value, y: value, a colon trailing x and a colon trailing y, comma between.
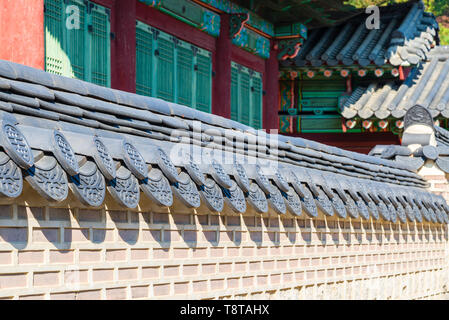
x: 271, y: 64
x: 213, y: 56
x: 333, y: 85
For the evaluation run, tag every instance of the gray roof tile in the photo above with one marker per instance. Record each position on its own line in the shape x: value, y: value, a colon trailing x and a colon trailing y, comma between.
x: 404, y: 38
x: 85, y: 112
x: 426, y: 85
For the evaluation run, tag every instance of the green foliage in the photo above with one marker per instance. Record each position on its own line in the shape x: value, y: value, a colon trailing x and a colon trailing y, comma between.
x: 437, y: 7
x: 366, y: 3
x: 444, y: 36
x: 440, y: 8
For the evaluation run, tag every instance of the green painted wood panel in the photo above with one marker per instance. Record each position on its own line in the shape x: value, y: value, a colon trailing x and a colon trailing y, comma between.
x: 246, y: 96
x: 315, y: 123
x: 54, y: 47
x: 184, y: 74
x: 256, y: 103
x: 245, y: 102
x: 186, y: 9
x: 76, y: 42
x: 81, y: 52
x: 320, y: 95
x: 235, y: 94
x: 100, y: 66
x: 144, y: 60
x: 165, y: 62
x: 172, y: 69
x: 204, y: 81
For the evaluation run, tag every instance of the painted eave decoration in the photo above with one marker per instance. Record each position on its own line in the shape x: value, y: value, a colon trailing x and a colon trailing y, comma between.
x: 190, y: 13
x: 246, y: 38
x: 313, y: 14
x: 74, y: 141
x: 230, y: 7
x: 247, y: 30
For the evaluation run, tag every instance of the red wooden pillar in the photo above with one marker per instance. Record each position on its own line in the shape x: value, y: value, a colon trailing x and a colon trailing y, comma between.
x: 22, y: 32
x: 221, y: 97
x: 271, y: 97
x: 123, y: 71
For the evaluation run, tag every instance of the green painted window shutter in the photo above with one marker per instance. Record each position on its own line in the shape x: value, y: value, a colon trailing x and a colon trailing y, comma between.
x: 184, y: 74
x: 256, y: 103
x: 76, y: 42
x: 165, y: 62
x: 203, y: 81
x: 144, y: 60
x: 235, y: 93
x: 54, y: 46
x: 246, y: 96
x: 245, y: 102
x: 84, y: 52
x: 100, y: 67
x: 172, y: 69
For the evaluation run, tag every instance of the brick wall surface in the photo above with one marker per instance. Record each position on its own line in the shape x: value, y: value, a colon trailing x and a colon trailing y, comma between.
x: 60, y: 253
x: 72, y: 252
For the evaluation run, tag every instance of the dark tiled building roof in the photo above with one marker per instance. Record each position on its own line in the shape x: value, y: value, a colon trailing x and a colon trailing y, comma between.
x: 442, y: 136
x: 62, y: 134
x: 426, y: 85
x: 405, y: 36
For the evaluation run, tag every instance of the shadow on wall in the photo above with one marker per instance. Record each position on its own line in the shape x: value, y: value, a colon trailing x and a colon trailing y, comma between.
x: 56, y: 59
x: 125, y: 222
x: 17, y: 234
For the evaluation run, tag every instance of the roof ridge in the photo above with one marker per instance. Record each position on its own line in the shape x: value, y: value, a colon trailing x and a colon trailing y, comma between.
x: 156, y: 115
x: 58, y: 139
x: 425, y: 84
x: 407, y: 32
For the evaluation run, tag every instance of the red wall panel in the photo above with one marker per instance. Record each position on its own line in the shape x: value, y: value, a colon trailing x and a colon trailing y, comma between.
x: 358, y: 142
x: 247, y: 59
x: 22, y: 32
x: 174, y: 27
x: 221, y: 82
x: 271, y: 96
x: 22, y: 38
x: 123, y: 46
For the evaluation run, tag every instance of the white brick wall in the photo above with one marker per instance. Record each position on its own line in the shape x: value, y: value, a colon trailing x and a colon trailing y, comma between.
x: 50, y: 253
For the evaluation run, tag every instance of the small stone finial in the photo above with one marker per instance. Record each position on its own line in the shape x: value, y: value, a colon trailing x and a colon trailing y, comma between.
x: 419, y: 128
x: 418, y: 115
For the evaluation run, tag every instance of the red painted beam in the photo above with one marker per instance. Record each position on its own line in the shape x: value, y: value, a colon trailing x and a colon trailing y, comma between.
x: 123, y: 47
x: 175, y: 27
x: 221, y: 94
x: 22, y: 32
x: 271, y: 97
x: 247, y: 59
x: 361, y: 142
x: 107, y: 3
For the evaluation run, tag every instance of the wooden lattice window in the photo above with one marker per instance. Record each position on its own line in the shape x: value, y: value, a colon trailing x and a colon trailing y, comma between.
x: 246, y: 96
x: 77, y: 40
x: 172, y: 69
